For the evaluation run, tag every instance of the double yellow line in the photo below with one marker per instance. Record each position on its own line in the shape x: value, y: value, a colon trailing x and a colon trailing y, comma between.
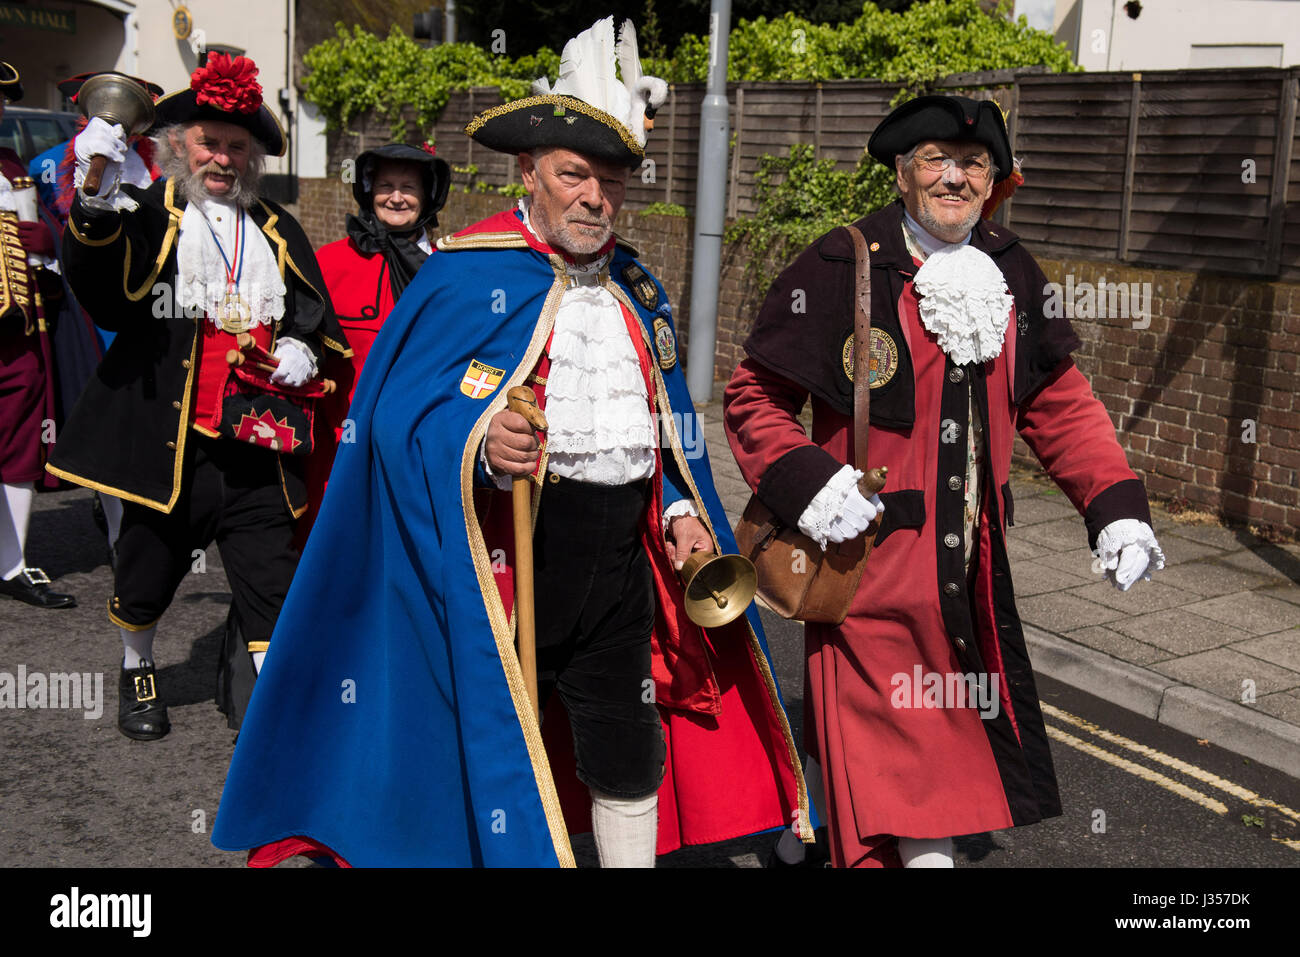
x: 1207, y: 778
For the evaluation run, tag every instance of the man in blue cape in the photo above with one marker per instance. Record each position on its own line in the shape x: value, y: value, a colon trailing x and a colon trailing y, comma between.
x: 392, y: 726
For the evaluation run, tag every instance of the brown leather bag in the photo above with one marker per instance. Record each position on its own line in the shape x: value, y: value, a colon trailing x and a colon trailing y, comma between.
x: 796, y: 577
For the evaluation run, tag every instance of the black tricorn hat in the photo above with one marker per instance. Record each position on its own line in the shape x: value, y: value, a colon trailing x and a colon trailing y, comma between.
x: 553, y: 119
x: 72, y: 85
x: 224, y: 89
x: 949, y: 118
x: 11, y: 87
x: 434, y: 170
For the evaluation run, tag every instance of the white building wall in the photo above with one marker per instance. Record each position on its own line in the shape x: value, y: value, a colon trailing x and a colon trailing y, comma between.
x: 1180, y: 34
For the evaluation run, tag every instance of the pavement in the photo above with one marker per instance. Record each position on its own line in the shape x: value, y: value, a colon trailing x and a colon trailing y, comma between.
x: 1210, y: 646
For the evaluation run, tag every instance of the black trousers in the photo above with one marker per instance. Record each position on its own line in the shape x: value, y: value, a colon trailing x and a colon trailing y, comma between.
x: 595, y: 613
x: 230, y: 494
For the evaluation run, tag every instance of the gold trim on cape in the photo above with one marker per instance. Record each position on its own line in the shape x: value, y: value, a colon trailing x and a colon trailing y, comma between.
x: 503, y: 627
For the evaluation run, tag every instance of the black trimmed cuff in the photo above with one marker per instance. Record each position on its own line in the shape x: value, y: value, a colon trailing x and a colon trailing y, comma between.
x: 1126, y: 499
x: 793, y: 481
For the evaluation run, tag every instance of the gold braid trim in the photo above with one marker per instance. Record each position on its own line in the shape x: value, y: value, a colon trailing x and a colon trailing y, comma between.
x: 568, y: 103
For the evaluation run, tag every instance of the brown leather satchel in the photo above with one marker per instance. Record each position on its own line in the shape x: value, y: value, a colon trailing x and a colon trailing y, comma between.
x: 796, y: 577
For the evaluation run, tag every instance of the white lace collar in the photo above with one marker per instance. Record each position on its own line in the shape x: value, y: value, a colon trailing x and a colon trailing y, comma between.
x: 963, y: 300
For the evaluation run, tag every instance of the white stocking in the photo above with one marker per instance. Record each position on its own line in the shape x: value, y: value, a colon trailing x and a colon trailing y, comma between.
x: 925, y: 851
x: 15, y: 513
x: 137, y: 646
x: 626, y: 830
x: 112, y: 516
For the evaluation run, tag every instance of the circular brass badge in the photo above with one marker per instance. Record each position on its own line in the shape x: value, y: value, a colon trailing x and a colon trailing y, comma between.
x: 884, y: 359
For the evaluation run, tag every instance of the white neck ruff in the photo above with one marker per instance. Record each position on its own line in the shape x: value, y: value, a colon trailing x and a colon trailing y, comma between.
x: 964, y: 301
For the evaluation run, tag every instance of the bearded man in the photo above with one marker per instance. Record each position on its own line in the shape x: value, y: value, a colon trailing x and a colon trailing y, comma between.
x: 177, y: 270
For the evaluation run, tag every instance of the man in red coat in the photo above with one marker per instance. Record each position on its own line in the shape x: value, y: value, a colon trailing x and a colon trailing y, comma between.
x: 924, y: 720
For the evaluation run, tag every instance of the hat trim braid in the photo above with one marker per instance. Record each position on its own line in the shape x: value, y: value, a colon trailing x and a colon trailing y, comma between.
x: 568, y: 102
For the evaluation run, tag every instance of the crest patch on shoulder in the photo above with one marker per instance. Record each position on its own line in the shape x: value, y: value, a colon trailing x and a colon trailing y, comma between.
x: 665, y: 344
x: 642, y: 286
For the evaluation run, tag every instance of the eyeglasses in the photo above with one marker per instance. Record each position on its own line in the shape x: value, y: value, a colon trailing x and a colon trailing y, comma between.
x: 972, y: 166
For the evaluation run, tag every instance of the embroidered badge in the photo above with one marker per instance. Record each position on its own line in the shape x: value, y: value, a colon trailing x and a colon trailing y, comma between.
x: 267, y: 431
x: 1022, y: 321
x: 642, y: 286
x: 479, y: 380
x: 570, y: 120
x: 665, y: 344
x: 884, y: 359
x: 875, y: 247
x: 534, y: 120
x: 883, y: 363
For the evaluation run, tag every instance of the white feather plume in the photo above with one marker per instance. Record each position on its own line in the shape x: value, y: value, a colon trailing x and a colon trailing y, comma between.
x: 590, y: 65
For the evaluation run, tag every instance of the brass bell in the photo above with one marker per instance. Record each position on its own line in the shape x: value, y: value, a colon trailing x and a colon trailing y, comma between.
x: 718, y: 587
x: 114, y: 99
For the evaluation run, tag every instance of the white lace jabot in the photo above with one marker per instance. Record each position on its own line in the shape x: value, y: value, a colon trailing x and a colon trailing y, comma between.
x: 964, y: 300
x: 596, y: 404
x: 201, y: 270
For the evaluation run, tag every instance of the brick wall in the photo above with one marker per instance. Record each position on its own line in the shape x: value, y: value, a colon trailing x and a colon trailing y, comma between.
x: 1219, y: 360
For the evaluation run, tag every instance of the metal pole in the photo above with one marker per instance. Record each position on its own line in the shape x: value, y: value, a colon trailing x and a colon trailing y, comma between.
x: 449, y: 22
x: 710, y: 195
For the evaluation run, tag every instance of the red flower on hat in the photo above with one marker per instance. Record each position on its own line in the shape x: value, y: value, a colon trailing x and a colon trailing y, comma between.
x: 429, y: 148
x: 229, y: 85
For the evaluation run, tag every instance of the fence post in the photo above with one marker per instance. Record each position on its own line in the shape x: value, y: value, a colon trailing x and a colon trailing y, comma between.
x: 735, y: 154
x: 1013, y: 126
x: 672, y: 143
x: 817, y: 126
x: 1130, y: 160
x: 1282, y: 150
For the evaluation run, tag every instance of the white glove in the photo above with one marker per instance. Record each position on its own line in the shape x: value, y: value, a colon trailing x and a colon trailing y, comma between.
x: 839, y: 512
x: 297, y: 364
x: 1125, y: 551
x: 100, y: 139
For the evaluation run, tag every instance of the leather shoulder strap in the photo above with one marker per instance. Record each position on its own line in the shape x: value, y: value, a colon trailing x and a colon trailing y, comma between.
x: 861, y: 349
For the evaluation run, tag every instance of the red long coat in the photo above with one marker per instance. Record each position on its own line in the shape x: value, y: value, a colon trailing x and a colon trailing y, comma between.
x: 892, y: 767
x: 363, y: 297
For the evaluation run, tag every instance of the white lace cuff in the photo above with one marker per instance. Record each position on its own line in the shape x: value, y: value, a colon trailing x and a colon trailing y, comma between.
x: 681, y: 507
x: 815, y: 522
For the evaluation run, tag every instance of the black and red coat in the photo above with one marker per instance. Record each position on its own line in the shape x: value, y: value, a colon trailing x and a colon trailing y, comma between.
x: 128, y: 431
x: 891, y: 767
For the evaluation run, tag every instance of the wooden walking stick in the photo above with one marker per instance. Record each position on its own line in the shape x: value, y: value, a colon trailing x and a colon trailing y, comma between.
x: 521, y: 399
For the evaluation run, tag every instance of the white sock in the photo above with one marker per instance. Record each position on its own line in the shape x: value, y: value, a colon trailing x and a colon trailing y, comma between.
x: 257, y: 661
x: 925, y: 851
x: 626, y: 830
x: 137, y: 646
x: 112, y: 516
x: 15, y: 513
x: 790, y: 848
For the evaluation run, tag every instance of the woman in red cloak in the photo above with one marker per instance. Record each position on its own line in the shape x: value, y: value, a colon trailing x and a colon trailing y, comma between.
x: 399, y: 190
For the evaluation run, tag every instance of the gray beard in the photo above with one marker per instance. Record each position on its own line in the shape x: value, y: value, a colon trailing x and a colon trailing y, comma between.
x: 936, y: 228
x: 191, y: 185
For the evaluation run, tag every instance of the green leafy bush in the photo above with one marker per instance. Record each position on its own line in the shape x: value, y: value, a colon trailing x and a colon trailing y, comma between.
x: 798, y: 199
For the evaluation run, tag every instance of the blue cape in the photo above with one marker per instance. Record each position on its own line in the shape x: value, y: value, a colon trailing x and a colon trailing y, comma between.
x: 390, y: 721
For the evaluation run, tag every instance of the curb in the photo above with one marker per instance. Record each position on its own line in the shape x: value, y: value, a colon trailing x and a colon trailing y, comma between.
x: 1260, y: 737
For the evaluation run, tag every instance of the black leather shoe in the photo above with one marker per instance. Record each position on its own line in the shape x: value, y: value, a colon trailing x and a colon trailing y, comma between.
x: 33, y: 586
x: 141, y: 713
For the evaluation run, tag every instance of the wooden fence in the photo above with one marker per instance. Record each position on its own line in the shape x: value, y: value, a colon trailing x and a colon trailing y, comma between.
x: 1188, y: 168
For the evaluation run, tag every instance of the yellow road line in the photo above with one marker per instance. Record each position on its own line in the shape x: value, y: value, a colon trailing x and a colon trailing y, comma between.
x: 1191, y: 770
x: 1154, y: 777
